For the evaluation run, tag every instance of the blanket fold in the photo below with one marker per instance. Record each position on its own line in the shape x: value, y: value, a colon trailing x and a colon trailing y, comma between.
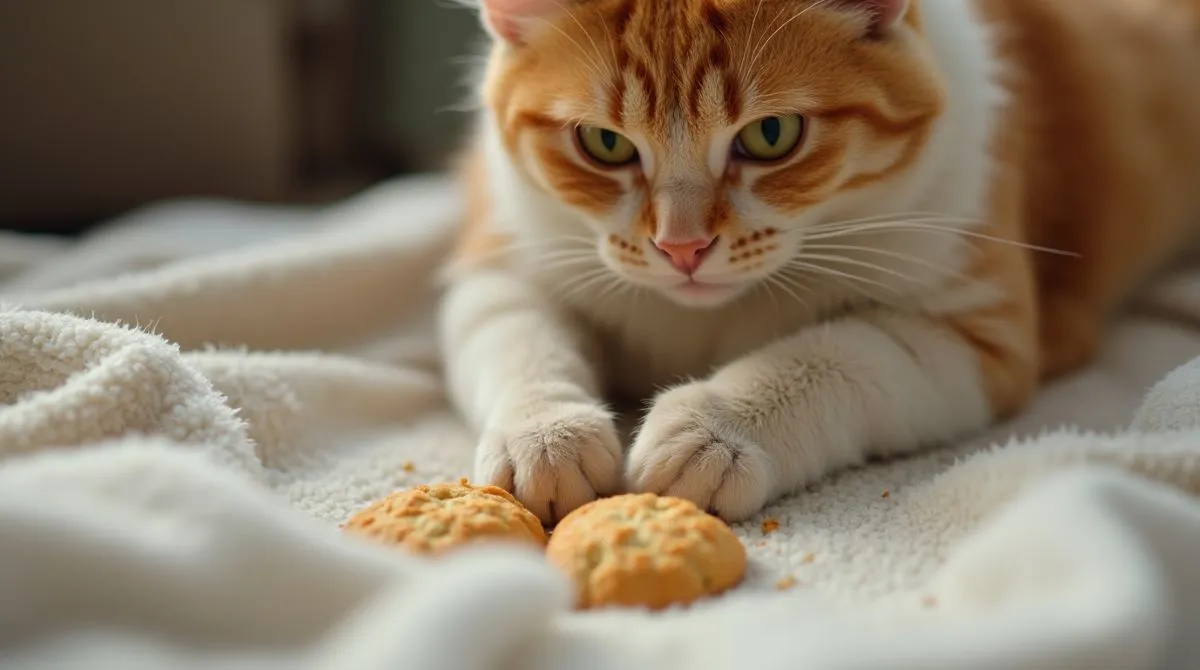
x: 186, y: 418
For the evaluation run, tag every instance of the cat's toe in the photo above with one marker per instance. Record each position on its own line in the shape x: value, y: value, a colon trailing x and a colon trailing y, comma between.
x: 686, y: 454
x: 554, y: 462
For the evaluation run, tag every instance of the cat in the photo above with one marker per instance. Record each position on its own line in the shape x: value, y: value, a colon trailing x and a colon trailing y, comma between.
x: 806, y: 232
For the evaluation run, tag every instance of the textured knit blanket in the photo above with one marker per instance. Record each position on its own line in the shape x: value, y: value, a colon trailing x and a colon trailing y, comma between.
x: 195, y: 396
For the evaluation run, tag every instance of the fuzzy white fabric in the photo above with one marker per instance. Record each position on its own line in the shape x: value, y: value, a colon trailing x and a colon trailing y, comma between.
x: 170, y: 488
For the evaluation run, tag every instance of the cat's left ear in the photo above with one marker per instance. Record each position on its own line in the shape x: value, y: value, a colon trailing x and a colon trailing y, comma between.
x: 510, y: 19
x: 885, y: 14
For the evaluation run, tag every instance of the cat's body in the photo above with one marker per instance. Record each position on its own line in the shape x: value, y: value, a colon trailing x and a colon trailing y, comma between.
x: 871, y: 291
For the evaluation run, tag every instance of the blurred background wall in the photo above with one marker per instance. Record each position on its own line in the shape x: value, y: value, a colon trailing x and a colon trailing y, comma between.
x: 109, y: 104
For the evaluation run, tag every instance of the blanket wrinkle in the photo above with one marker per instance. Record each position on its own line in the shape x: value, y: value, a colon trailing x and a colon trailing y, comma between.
x: 68, y: 381
x: 326, y: 288
x: 170, y: 495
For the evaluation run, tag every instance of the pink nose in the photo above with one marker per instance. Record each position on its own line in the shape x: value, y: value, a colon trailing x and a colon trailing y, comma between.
x: 686, y: 256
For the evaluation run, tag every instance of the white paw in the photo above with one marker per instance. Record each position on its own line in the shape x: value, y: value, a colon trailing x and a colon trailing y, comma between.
x: 690, y: 447
x: 553, y: 460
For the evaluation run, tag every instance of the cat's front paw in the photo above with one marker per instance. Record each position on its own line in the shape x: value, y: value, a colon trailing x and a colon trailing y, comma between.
x: 553, y: 460
x: 691, y: 446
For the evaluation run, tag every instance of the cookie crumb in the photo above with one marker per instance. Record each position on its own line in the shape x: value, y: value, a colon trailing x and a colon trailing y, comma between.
x: 770, y: 526
x: 409, y: 467
x: 887, y: 494
x: 786, y: 584
x: 810, y: 558
x: 761, y: 543
x: 929, y: 602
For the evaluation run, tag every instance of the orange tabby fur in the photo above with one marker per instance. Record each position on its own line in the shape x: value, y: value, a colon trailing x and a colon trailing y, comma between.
x: 1096, y: 151
x: 1107, y: 95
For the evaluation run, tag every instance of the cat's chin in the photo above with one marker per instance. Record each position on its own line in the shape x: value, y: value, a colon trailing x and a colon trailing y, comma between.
x: 704, y: 295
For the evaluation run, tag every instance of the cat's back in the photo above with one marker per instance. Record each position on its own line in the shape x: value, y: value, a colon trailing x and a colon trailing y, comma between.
x: 1104, y: 130
x: 1107, y: 94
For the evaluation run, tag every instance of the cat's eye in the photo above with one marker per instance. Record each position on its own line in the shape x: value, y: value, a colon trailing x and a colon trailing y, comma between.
x: 606, y: 147
x: 770, y: 138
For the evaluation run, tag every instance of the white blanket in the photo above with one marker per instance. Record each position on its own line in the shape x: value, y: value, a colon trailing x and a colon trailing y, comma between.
x: 170, y: 488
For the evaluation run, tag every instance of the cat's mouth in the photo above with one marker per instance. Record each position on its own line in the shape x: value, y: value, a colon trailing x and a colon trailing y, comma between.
x: 699, y: 293
x: 694, y: 286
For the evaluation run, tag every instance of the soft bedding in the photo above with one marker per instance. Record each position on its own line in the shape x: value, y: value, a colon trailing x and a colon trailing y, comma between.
x: 193, y: 398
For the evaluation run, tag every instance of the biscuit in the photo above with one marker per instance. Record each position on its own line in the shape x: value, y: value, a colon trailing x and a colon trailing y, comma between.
x: 434, y: 519
x: 645, y: 550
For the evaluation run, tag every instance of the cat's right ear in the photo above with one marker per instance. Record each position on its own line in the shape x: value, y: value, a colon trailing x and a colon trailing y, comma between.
x: 885, y: 14
x: 509, y: 20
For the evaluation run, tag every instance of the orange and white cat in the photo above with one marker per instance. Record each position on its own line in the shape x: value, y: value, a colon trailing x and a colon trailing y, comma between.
x: 807, y: 232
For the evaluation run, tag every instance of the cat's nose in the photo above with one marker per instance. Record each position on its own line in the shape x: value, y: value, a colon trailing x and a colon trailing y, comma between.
x: 686, y: 256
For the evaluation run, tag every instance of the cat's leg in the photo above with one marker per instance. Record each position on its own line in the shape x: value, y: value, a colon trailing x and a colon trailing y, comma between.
x: 878, y: 383
x: 519, y: 373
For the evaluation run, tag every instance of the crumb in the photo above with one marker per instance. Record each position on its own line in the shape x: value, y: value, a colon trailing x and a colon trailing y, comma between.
x: 770, y: 526
x: 810, y: 558
x: 786, y: 584
x: 929, y: 602
x: 887, y: 494
x: 408, y: 467
x: 761, y: 543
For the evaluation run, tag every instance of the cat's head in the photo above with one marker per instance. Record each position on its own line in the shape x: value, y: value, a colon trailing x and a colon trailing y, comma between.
x: 700, y: 139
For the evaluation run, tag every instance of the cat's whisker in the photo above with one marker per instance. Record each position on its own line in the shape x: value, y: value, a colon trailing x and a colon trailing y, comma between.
x: 800, y: 279
x: 892, y: 217
x: 899, y: 216
x: 567, y: 261
x: 612, y: 51
x: 774, y: 21
x: 578, y: 273
x: 595, y: 47
x: 925, y: 226
x: 846, y: 260
x: 833, y: 272
x: 944, y: 223
x: 555, y: 268
x: 552, y: 247
x: 615, y: 284
x: 797, y: 274
x: 741, y: 71
x: 593, y: 67
x: 908, y: 258
x: 778, y: 281
x: 768, y: 285
x: 758, y: 54
x: 562, y: 252
x: 582, y: 283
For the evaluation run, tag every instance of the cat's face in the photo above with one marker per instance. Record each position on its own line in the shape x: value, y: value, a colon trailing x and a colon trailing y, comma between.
x: 702, y: 139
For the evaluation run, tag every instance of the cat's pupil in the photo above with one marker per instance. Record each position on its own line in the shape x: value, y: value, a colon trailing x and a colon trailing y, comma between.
x: 609, y: 139
x: 771, y: 130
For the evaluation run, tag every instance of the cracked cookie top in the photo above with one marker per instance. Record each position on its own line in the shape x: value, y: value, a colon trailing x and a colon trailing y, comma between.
x: 436, y: 518
x: 645, y: 550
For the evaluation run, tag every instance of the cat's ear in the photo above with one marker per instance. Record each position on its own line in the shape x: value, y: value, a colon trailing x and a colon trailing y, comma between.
x: 885, y: 14
x: 509, y: 19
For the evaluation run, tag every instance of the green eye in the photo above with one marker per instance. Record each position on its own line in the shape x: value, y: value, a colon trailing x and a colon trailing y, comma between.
x: 771, y: 138
x: 607, y: 146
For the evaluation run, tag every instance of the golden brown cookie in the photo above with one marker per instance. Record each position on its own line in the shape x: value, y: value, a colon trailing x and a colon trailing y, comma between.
x: 645, y: 550
x: 433, y: 519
